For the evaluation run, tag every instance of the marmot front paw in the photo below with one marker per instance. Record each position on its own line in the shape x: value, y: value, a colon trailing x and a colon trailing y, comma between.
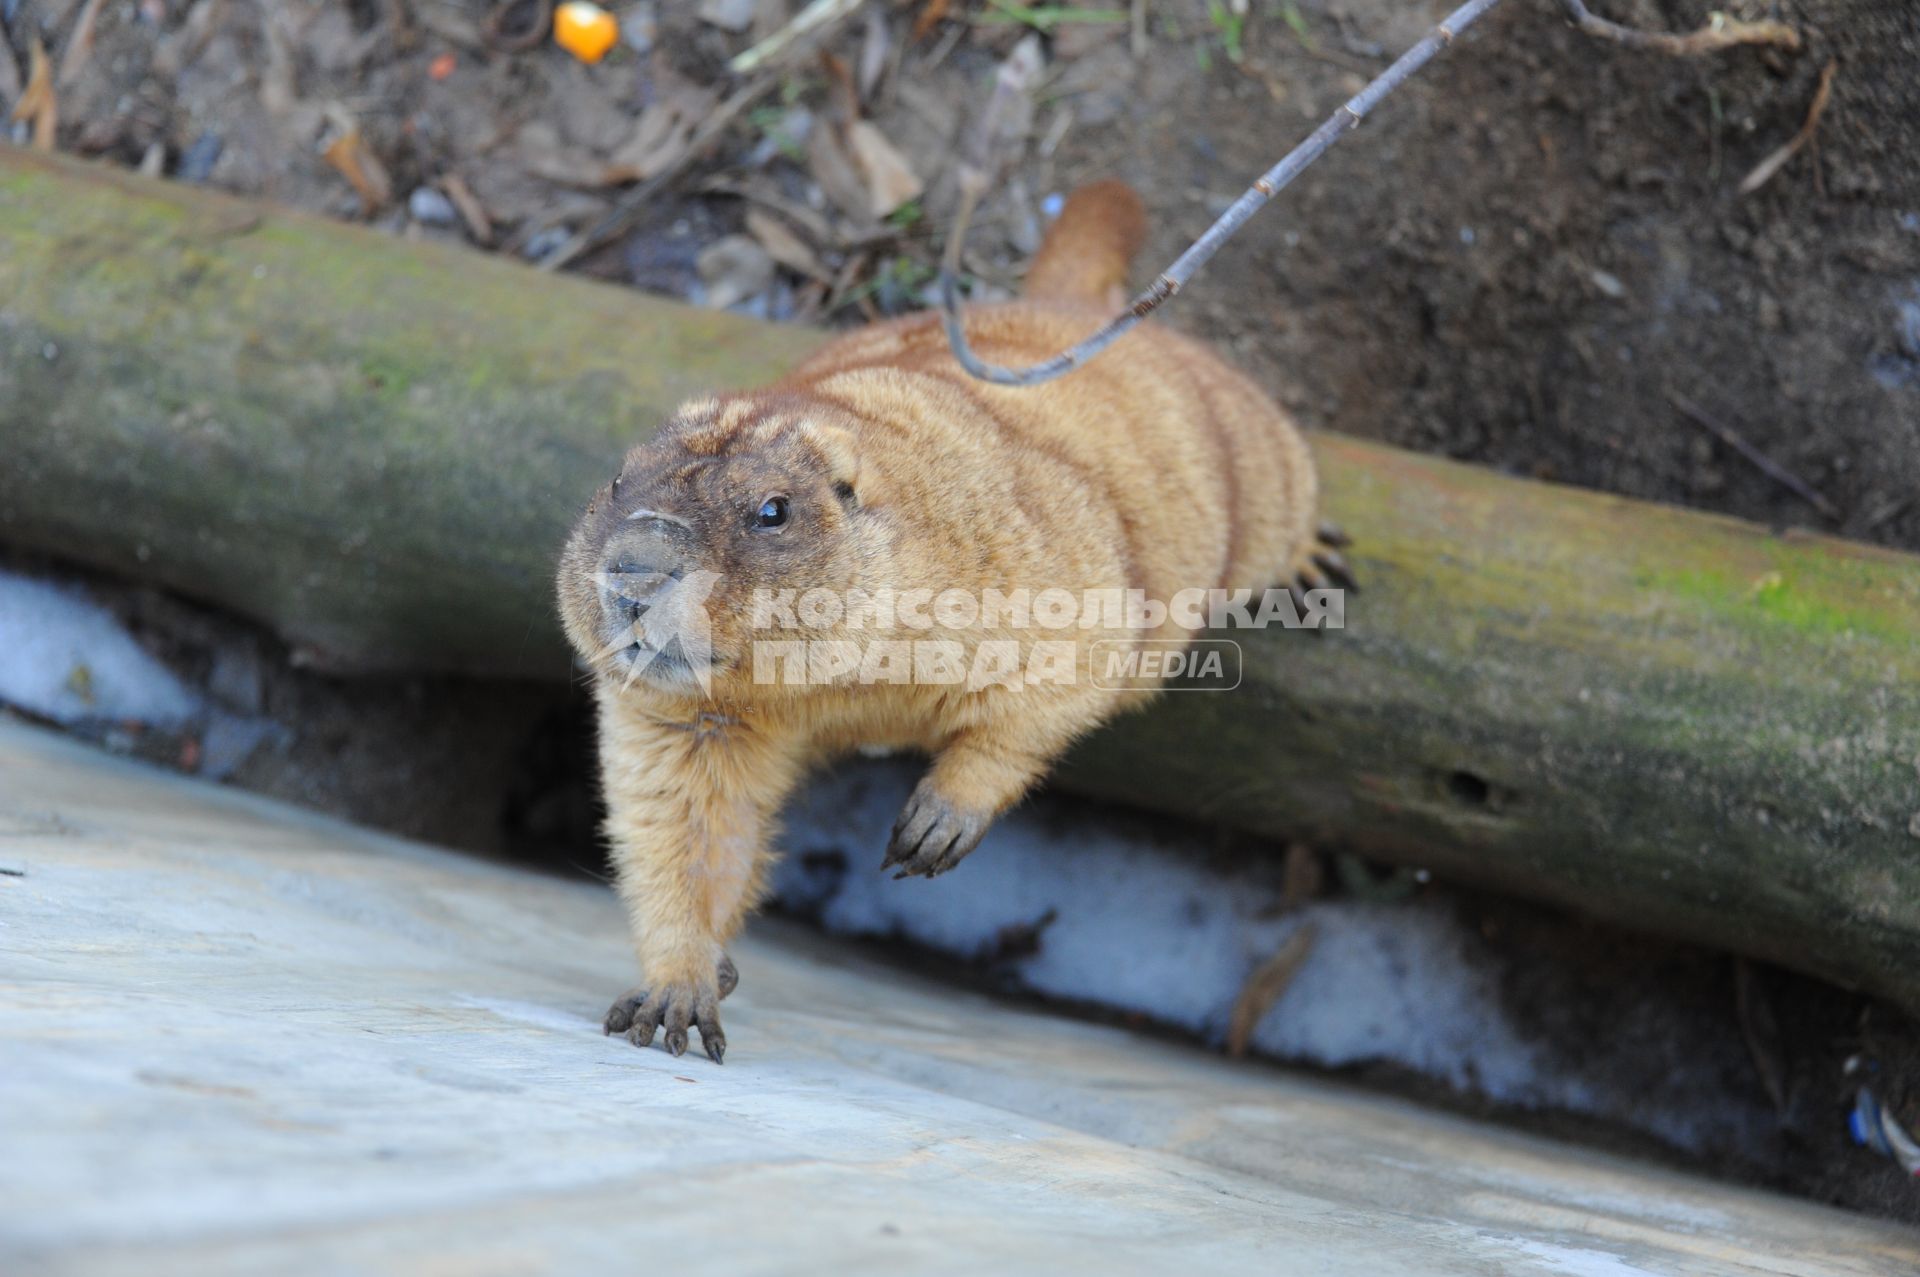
x: 932, y: 835
x: 638, y: 1012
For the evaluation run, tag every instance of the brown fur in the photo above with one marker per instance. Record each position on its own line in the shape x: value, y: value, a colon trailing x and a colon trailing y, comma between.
x: 1156, y: 467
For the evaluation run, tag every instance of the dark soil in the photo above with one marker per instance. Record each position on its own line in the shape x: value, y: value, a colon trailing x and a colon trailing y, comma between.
x: 1523, y: 259
x: 1526, y: 259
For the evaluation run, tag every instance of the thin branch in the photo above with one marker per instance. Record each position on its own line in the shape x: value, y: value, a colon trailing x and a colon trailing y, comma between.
x: 974, y: 178
x: 1757, y: 459
x: 628, y: 208
x: 819, y: 14
x: 1765, y: 169
x: 1721, y: 32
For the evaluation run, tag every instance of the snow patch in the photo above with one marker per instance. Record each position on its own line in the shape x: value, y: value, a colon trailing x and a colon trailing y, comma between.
x: 66, y: 658
x: 1087, y: 905
x: 1107, y: 912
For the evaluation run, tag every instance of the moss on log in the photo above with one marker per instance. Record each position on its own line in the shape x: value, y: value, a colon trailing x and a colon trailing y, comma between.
x: 374, y: 445
x: 1668, y: 719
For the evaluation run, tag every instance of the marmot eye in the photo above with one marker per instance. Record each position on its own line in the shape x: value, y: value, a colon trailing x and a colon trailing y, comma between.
x: 772, y: 513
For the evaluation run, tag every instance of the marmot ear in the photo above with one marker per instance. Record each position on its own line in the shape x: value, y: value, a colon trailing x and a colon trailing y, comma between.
x: 842, y: 453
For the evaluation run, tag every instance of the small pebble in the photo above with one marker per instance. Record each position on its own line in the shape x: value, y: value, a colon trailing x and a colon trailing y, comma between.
x: 1907, y: 326
x: 197, y: 161
x: 431, y: 208
x: 1609, y: 284
x: 546, y: 242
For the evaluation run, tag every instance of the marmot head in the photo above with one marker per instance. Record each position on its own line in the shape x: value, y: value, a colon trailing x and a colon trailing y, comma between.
x: 750, y: 493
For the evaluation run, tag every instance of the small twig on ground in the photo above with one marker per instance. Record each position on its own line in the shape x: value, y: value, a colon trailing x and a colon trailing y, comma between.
x: 1264, y: 987
x: 628, y: 208
x: 79, y: 45
x: 1721, y: 32
x: 38, y: 102
x: 1763, y: 171
x: 815, y: 17
x: 1759, y: 460
x: 973, y: 183
x: 468, y: 205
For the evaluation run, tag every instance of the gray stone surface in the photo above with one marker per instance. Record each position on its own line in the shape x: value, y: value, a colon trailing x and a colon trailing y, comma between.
x: 238, y: 1038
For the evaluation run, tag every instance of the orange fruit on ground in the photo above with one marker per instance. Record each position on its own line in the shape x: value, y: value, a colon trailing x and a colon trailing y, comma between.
x: 585, y: 30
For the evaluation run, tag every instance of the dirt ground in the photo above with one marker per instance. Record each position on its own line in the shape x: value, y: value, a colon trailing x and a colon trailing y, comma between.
x: 1535, y: 257
x: 1529, y: 258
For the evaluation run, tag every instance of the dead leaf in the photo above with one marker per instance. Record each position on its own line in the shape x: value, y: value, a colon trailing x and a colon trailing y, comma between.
x: 838, y: 173
x: 38, y: 101
x: 784, y: 246
x: 890, y: 180
x: 662, y: 134
x: 355, y: 160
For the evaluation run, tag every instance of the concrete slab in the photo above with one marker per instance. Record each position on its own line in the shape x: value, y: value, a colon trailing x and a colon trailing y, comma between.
x: 235, y: 1037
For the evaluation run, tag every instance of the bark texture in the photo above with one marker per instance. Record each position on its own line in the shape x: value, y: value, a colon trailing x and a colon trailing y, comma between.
x: 375, y: 447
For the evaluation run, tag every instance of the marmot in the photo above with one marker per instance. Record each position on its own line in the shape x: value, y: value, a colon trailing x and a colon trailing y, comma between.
x: 879, y: 469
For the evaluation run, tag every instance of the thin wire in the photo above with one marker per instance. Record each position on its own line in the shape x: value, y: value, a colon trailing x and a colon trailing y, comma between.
x: 1176, y: 276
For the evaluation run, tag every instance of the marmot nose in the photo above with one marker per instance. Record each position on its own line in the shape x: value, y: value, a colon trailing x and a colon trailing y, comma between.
x: 630, y: 586
x: 634, y: 570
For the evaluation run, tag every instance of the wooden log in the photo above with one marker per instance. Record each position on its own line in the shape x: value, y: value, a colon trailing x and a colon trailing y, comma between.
x: 372, y: 445
x: 1667, y: 719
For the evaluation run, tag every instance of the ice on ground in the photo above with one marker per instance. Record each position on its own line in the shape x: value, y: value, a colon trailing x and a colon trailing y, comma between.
x: 1086, y: 905
x: 66, y: 658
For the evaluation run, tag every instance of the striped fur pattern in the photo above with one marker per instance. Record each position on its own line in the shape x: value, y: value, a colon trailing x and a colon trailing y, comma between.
x: 1156, y: 468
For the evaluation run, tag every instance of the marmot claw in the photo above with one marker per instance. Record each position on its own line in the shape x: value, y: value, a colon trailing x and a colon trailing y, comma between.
x: 932, y: 836
x: 638, y: 1012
